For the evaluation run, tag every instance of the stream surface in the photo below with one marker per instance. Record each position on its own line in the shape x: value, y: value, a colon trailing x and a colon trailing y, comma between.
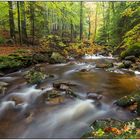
x: 64, y: 117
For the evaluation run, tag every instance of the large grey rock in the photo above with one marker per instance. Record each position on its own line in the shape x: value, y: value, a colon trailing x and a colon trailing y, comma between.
x: 60, y: 83
x: 94, y: 96
x: 131, y: 58
x: 127, y: 64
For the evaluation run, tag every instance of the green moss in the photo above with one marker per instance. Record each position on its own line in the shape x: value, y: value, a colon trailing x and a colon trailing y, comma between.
x: 35, y: 76
x: 129, y: 100
x: 2, y: 40
x: 14, y: 62
x: 57, y: 58
x: 132, y: 50
x: 121, y: 66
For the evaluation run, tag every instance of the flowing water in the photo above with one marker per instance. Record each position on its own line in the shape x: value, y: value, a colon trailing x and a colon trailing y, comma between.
x: 64, y: 117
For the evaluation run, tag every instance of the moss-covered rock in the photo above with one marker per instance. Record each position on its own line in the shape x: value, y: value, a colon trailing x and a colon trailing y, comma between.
x: 57, y: 58
x: 35, y: 76
x: 38, y: 58
x: 127, y: 64
x: 132, y: 50
x: 121, y: 66
x: 15, y: 61
x: 132, y: 100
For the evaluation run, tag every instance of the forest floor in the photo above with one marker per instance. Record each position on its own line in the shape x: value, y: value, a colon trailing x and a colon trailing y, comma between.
x: 6, y: 49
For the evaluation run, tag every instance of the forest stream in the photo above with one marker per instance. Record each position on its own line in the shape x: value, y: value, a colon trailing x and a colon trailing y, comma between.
x: 64, y: 117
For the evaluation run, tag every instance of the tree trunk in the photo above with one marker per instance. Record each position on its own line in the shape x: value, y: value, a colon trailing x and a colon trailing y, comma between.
x: 32, y: 18
x: 11, y: 21
x: 104, y: 19
x: 108, y: 22
x: 71, y: 31
x: 62, y: 30
x: 23, y: 22
x: 19, y: 31
x: 95, y: 25
x: 89, y: 27
x: 81, y: 20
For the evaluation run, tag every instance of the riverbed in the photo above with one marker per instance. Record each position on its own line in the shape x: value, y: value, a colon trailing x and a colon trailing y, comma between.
x: 64, y: 117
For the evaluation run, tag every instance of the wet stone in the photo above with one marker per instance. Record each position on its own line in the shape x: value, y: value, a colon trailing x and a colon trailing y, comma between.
x: 84, y: 70
x: 58, y: 84
x: 3, y: 87
x: 64, y: 87
x: 94, y: 96
x: 17, y: 100
x: 127, y: 63
x: 29, y: 117
x: 131, y: 58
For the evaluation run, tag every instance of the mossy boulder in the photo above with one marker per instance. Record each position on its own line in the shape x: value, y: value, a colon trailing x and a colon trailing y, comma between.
x: 130, y: 58
x: 57, y: 58
x: 35, y: 76
x: 121, y: 66
x: 127, y: 64
x: 14, y: 61
x: 38, y: 58
x: 7, y: 62
x: 130, y: 100
x: 132, y: 50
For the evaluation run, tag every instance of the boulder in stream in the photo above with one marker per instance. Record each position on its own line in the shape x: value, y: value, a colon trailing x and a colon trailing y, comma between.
x: 84, y: 70
x: 130, y: 58
x: 29, y: 117
x: 131, y: 102
x: 104, y: 65
x: 52, y: 97
x: 3, y: 87
x: 57, y: 58
x: 17, y: 100
x: 94, y: 96
x: 63, y: 84
x: 127, y: 64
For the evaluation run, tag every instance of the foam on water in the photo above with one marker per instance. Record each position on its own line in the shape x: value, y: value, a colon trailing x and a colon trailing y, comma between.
x: 29, y: 94
x: 69, y: 72
x: 78, y: 63
x: 90, y: 66
x: 8, y: 78
x: 67, y: 122
x: 97, y: 57
x: 137, y: 72
x: 6, y: 105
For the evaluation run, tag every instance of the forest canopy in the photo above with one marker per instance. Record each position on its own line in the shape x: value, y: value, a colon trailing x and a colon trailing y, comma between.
x: 106, y: 23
